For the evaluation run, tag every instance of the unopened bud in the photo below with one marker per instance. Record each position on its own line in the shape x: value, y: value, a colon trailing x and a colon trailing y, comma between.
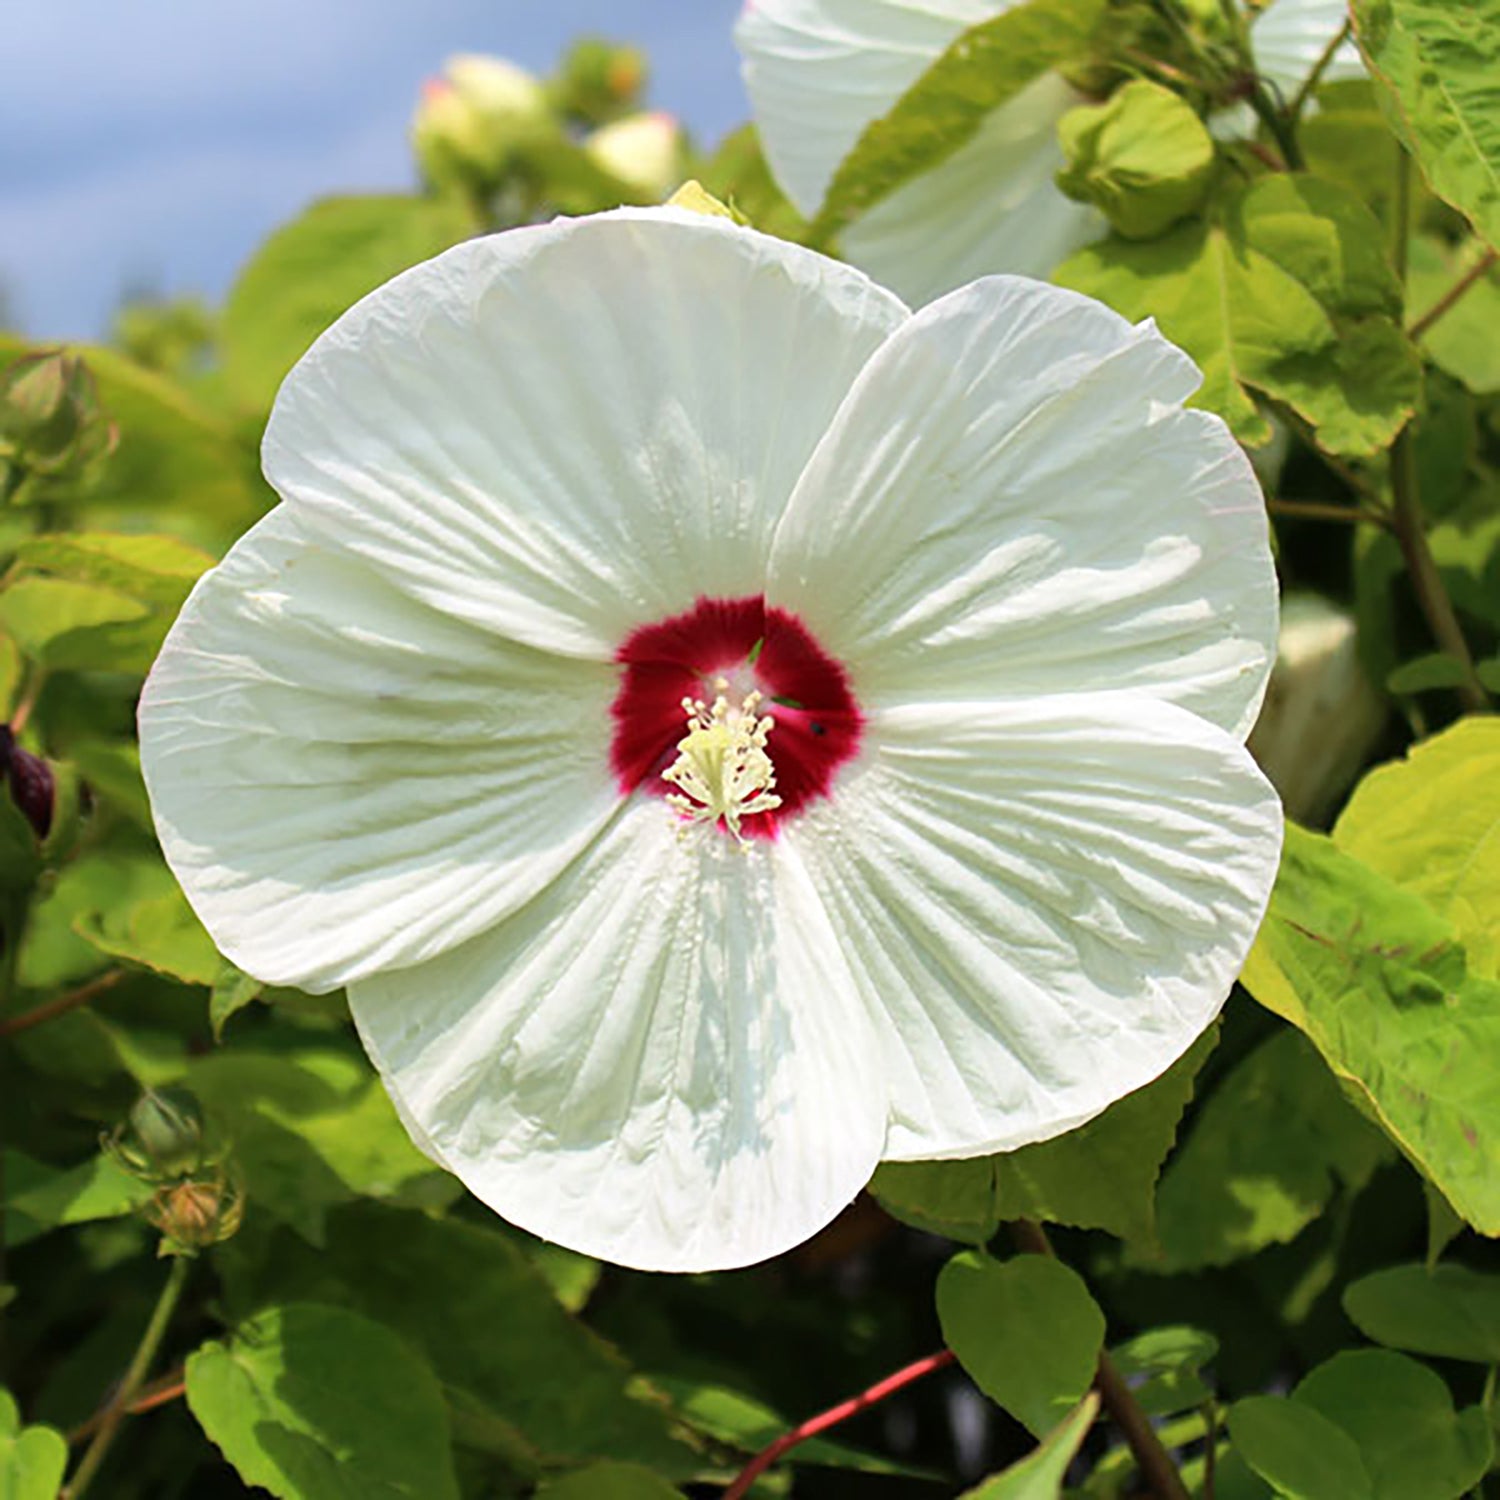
x: 471, y: 121
x: 644, y: 151
x: 163, y: 1138
x: 51, y: 421
x: 196, y: 1212
x: 600, y: 81
x: 32, y: 786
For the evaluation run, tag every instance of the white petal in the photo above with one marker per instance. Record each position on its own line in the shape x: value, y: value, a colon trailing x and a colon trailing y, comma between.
x: 343, y: 778
x: 991, y: 206
x: 1291, y: 35
x: 564, y: 432
x: 1012, y: 501
x: 1047, y: 901
x: 662, y: 1061
x: 819, y: 71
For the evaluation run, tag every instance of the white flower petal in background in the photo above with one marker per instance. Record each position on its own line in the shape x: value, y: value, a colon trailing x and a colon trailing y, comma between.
x: 434, y: 432
x: 345, y: 778
x: 818, y: 72
x: 663, y: 1061
x: 1013, y: 500
x: 1065, y: 882
x: 575, y: 507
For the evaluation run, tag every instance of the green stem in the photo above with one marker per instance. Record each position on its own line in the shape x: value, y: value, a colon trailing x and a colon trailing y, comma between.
x: 1408, y: 523
x: 1157, y: 1470
x: 1313, y: 79
x: 1317, y: 510
x: 1449, y: 299
x: 140, y: 1365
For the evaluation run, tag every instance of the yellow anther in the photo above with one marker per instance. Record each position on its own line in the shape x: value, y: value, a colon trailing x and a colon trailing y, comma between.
x: 722, y: 769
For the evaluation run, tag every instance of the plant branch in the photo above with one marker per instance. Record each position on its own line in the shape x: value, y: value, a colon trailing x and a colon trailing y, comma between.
x: 1317, y: 510
x: 114, y: 1411
x: 1313, y: 79
x: 834, y: 1415
x: 1446, y: 302
x: 170, y: 1387
x: 11, y: 1025
x: 1157, y: 1470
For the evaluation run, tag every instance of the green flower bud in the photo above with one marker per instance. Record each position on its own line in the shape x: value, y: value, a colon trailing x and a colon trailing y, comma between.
x: 599, y: 81
x: 1143, y: 157
x: 51, y: 421
x: 163, y: 1138
x: 196, y: 1212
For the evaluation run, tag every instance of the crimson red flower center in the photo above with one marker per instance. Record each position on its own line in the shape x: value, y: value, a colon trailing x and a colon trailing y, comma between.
x: 733, y: 647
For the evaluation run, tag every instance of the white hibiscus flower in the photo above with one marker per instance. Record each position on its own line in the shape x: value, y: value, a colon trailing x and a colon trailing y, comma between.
x: 819, y: 71
x: 1008, y: 609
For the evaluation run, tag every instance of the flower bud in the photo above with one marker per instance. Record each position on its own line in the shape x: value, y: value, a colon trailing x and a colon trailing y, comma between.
x: 163, y: 1137
x: 644, y: 151
x: 194, y: 1213
x: 1143, y: 157
x: 471, y: 121
x: 32, y: 785
x: 51, y: 421
x: 599, y: 81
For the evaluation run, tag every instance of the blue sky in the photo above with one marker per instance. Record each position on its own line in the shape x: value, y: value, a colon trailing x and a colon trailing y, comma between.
x: 154, y: 143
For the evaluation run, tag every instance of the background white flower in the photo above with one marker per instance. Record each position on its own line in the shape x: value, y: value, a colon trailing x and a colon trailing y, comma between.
x: 819, y: 71
x: 1012, y: 608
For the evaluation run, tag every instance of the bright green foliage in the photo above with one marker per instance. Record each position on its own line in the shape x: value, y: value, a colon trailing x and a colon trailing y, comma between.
x: 1263, y: 1158
x: 32, y: 1459
x: 1163, y: 1367
x: 1039, y: 1476
x: 318, y: 1403
x: 737, y: 174
x: 233, y: 990
x: 40, y: 1198
x: 1285, y: 293
x: 1298, y: 1450
x: 531, y: 1376
x: 1448, y: 1311
x: 160, y: 933
x: 1100, y: 1176
x: 1379, y: 983
x: 1431, y: 823
x: 62, y: 624
x: 1401, y: 1417
x: 1025, y: 1329
x: 985, y: 67
x: 317, y: 266
x: 609, y: 1481
x: 1143, y: 157
x: 1437, y: 62
x: 1463, y: 341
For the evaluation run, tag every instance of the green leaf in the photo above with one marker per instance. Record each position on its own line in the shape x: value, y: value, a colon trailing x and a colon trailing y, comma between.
x: 314, y: 268
x: 318, y: 1403
x: 1287, y: 293
x: 1263, y: 1159
x: 1431, y: 823
x: 160, y: 933
x: 743, y: 1422
x: 61, y: 624
x: 32, y: 1459
x: 982, y: 69
x: 469, y: 1298
x: 1401, y: 1417
x: 1448, y: 1311
x: 12, y: 673
x: 1462, y: 341
x: 1143, y: 157
x: 41, y: 1198
x: 233, y: 990
x: 1435, y: 670
x: 20, y: 854
x: 1162, y: 1367
x: 1100, y: 1176
x: 1040, y: 1475
x: 1436, y: 63
x: 610, y: 1481
x: 1298, y: 1450
x: 1026, y: 1330
x: 1378, y: 982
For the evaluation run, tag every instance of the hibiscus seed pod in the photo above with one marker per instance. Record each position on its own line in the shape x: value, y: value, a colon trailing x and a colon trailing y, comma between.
x: 194, y: 1213
x: 33, y: 788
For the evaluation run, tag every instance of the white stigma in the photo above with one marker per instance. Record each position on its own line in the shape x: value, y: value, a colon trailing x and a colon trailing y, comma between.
x: 722, y: 769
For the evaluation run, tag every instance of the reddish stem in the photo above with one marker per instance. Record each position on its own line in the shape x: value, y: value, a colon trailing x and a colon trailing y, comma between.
x: 832, y: 1417
x: 10, y: 1025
